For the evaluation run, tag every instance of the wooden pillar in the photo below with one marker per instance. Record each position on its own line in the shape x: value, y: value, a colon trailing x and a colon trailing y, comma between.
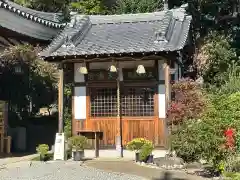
x: 167, y: 96
x: 167, y: 83
x: 119, y: 147
x: 60, y: 99
x: 87, y: 124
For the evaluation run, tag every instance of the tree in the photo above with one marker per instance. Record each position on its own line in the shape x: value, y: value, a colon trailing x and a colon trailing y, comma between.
x: 137, y: 6
x: 45, y: 5
x: 33, y: 87
x: 89, y: 6
x: 211, y: 14
x: 215, y: 58
x: 55, y: 6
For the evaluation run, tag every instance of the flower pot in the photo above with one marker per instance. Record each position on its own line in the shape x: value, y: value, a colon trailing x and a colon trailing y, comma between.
x: 150, y: 159
x: 78, y: 155
x: 137, y: 157
x: 43, y: 157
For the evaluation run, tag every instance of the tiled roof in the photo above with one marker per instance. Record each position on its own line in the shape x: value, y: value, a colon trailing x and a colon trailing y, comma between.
x: 127, y: 33
x: 48, y: 19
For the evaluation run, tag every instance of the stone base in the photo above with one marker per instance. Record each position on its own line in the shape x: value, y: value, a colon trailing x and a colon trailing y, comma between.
x: 169, y: 163
x: 112, y: 153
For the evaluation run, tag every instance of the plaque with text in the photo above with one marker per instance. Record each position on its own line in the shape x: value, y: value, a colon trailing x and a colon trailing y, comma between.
x: 131, y: 74
x: 101, y: 75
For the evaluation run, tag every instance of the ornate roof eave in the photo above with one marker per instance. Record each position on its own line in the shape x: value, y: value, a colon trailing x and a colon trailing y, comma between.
x: 31, y: 17
x: 108, y: 57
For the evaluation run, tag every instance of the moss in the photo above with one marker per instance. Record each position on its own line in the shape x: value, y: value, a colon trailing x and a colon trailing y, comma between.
x: 49, y: 157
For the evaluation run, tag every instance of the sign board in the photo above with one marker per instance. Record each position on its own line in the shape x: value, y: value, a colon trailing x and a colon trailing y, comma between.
x: 59, y: 147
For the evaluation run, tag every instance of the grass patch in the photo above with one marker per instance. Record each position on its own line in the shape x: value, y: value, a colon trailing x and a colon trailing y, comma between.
x: 232, y: 175
x: 49, y: 156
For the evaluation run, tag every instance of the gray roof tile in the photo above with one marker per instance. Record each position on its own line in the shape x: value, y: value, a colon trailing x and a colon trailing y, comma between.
x: 48, y: 19
x: 127, y: 33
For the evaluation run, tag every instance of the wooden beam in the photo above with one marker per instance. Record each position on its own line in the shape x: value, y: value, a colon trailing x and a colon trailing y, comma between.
x: 146, y: 57
x: 166, y: 67
x: 119, y: 117
x: 60, y: 99
x: 167, y: 83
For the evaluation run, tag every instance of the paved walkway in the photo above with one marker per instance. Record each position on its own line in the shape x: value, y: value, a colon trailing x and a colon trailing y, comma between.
x: 14, y: 159
x: 130, y: 167
x: 16, y: 168
x: 60, y: 170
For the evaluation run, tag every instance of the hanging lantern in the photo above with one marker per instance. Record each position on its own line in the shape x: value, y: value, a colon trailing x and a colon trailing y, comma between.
x: 112, y: 68
x: 141, y: 69
x: 18, y: 69
x: 83, y: 69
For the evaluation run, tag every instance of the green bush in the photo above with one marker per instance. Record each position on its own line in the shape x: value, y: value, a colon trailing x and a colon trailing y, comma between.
x: 42, y: 149
x: 136, y: 144
x: 232, y: 176
x: 78, y: 143
x: 146, y: 150
x: 232, y: 165
x: 204, y: 138
x: 67, y: 124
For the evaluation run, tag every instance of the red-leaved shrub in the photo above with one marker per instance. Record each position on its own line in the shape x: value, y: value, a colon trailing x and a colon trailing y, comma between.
x: 189, y: 102
x: 230, y: 139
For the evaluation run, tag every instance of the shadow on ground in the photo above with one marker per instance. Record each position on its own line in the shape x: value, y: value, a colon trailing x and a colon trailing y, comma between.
x: 167, y: 176
x: 4, y: 155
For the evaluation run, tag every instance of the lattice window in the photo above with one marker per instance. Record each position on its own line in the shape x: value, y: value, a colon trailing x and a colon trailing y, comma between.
x: 138, y: 101
x: 103, y: 102
x: 135, y: 101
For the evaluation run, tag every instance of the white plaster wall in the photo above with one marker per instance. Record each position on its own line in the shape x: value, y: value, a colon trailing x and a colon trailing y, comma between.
x: 78, y: 77
x: 80, y: 103
x: 161, y: 92
x: 161, y: 101
x: 160, y: 70
x: 161, y: 88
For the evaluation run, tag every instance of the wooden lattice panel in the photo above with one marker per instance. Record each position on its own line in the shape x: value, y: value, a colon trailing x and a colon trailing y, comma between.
x: 2, y: 105
x: 3, y: 116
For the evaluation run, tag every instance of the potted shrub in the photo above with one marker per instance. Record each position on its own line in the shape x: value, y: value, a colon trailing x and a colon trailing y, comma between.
x: 146, y: 152
x: 136, y: 145
x: 42, y: 150
x: 78, y: 144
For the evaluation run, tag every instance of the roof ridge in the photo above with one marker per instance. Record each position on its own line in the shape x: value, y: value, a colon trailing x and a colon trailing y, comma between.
x: 27, y: 15
x: 64, y: 39
x: 178, y: 13
x: 161, y: 33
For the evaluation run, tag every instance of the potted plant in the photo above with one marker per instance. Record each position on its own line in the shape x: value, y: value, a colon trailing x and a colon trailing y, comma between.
x: 136, y: 145
x: 146, y: 152
x: 42, y: 150
x: 78, y: 144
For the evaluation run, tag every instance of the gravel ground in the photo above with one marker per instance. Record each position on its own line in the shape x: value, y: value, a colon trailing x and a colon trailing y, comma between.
x: 59, y: 171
